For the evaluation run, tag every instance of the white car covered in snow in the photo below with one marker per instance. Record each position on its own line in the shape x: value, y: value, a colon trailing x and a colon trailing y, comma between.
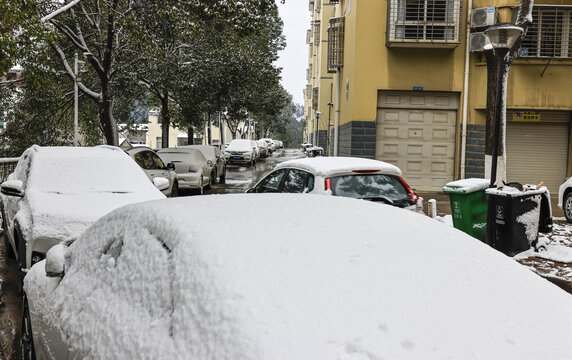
x: 565, y: 199
x: 153, y: 281
x: 341, y: 176
x: 56, y: 192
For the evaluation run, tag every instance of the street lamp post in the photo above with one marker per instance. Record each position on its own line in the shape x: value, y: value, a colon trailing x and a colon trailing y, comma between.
x: 317, y: 132
x: 502, y: 38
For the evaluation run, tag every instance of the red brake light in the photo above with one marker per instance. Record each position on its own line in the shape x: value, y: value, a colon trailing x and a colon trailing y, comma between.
x: 411, y: 193
x: 365, y: 171
x: 193, y: 168
x: 328, y: 184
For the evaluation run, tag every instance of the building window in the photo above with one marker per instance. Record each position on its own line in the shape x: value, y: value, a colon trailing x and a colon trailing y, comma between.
x: 550, y: 34
x: 317, y: 32
x: 336, y: 44
x: 315, y: 98
x: 159, y: 141
x: 424, y: 22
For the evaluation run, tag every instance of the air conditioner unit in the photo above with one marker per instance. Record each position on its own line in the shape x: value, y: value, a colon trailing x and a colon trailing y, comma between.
x: 483, y: 17
x: 478, y: 40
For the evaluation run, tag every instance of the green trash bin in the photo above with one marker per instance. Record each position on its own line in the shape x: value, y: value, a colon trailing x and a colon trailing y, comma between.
x: 469, y: 205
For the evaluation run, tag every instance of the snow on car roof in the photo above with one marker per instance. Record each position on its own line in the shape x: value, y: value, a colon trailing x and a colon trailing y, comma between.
x: 349, y: 280
x: 324, y: 166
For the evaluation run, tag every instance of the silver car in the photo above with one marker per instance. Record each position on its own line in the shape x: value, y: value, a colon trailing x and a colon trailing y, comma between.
x: 216, y: 161
x: 155, y: 169
x: 57, y: 192
x: 191, y: 166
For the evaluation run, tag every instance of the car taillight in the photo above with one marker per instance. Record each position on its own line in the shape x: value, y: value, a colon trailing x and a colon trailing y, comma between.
x: 328, y: 184
x: 193, y: 168
x: 411, y: 193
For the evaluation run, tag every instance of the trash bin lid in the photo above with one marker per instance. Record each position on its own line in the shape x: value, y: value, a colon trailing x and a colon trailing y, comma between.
x: 466, y: 186
x: 509, y: 191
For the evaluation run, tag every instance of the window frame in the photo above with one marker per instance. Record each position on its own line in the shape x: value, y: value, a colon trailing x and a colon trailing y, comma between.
x: 538, y: 40
x: 396, y: 17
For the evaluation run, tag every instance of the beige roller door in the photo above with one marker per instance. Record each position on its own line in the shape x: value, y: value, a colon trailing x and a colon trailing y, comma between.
x: 416, y: 132
x: 537, y: 152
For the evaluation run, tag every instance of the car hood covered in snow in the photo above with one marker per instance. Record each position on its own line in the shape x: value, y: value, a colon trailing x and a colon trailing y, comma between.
x: 345, y: 281
x: 64, y: 216
x: 327, y: 166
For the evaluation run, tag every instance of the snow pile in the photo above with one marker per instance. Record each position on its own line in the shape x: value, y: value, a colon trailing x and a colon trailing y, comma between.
x: 348, y: 280
x: 325, y: 166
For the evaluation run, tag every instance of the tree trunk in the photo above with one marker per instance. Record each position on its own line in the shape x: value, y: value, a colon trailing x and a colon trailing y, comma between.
x: 191, y: 136
x: 165, y: 121
x: 209, y: 131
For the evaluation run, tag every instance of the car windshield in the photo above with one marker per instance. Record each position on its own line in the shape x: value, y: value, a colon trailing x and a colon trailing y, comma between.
x: 369, y: 186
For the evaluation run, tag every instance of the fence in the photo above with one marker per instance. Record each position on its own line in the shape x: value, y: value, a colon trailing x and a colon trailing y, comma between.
x: 7, y: 166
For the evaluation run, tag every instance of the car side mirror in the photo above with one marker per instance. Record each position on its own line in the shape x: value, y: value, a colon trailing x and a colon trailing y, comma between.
x: 171, y: 166
x: 13, y: 188
x: 210, y: 162
x: 55, y: 261
x: 161, y: 183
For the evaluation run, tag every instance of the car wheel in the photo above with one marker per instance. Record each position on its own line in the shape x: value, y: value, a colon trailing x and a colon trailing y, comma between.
x: 223, y: 176
x: 175, y: 189
x: 26, y: 337
x: 568, y: 207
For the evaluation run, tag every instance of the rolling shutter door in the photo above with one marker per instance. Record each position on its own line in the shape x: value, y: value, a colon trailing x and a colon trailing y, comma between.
x: 537, y: 152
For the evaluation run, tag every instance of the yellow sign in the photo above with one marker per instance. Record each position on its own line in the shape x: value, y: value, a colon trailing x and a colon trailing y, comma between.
x: 526, y: 116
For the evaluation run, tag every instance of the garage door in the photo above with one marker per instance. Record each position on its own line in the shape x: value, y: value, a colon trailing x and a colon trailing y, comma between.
x: 416, y: 132
x: 537, y: 152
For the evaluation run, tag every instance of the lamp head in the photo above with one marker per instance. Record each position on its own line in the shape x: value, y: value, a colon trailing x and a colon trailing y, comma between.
x: 503, y: 36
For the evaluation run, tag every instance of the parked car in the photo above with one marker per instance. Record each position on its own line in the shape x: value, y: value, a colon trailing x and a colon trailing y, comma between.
x: 155, y: 168
x: 565, y: 199
x: 263, y: 146
x: 192, y: 168
x: 305, y: 146
x: 256, y: 149
x: 358, y: 281
x: 217, y: 165
x: 271, y: 144
x: 342, y: 176
x: 56, y: 192
x: 240, y: 151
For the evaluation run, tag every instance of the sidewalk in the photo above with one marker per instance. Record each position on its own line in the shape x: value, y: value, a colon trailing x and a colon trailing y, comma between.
x: 555, y: 264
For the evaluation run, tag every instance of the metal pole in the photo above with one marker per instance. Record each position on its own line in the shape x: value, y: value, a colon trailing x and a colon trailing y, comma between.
x: 75, y: 108
x: 491, y: 210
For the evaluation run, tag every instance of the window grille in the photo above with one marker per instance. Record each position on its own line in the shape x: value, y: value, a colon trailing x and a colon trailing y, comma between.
x: 336, y: 44
x: 309, y: 73
x: 311, y: 5
x: 310, y: 50
x: 317, y: 32
x: 550, y: 34
x: 315, y: 98
x: 424, y: 22
x: 318, y: 5
x: 308, y: 36
x: 309, y: 90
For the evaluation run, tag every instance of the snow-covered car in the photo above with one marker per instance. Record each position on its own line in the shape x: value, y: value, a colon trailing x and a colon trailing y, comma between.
x: 217, y: 161
x: 306, y: 146
x: 155, y: 169
x: 56, y: 192
x: 271, y: 144
x: 256, y: 149
x: 192, y: 168
x: 341, y: 176
x: 565, y: 199
x: 240, y: 151
x: 358, y: 281
x: 263, y: 146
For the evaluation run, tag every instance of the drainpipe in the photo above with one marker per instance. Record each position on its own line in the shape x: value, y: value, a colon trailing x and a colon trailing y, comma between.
x: 337, y: 98
x: 466, y: 91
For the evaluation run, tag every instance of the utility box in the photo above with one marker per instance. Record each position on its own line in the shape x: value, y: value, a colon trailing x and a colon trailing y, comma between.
x: 469, y: 205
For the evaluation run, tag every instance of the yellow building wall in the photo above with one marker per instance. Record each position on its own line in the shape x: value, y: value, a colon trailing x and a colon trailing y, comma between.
x: 155, y: 132
x: 370, y: 66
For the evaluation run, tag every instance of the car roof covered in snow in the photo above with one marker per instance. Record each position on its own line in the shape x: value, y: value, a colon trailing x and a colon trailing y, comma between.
x: 326, y: 166
x: 350, y: 280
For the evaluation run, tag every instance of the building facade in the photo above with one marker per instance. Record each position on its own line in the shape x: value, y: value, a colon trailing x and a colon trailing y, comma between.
x: 409, y: 81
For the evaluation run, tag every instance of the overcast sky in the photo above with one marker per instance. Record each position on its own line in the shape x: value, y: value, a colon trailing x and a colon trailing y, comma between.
x: 294, y: 59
